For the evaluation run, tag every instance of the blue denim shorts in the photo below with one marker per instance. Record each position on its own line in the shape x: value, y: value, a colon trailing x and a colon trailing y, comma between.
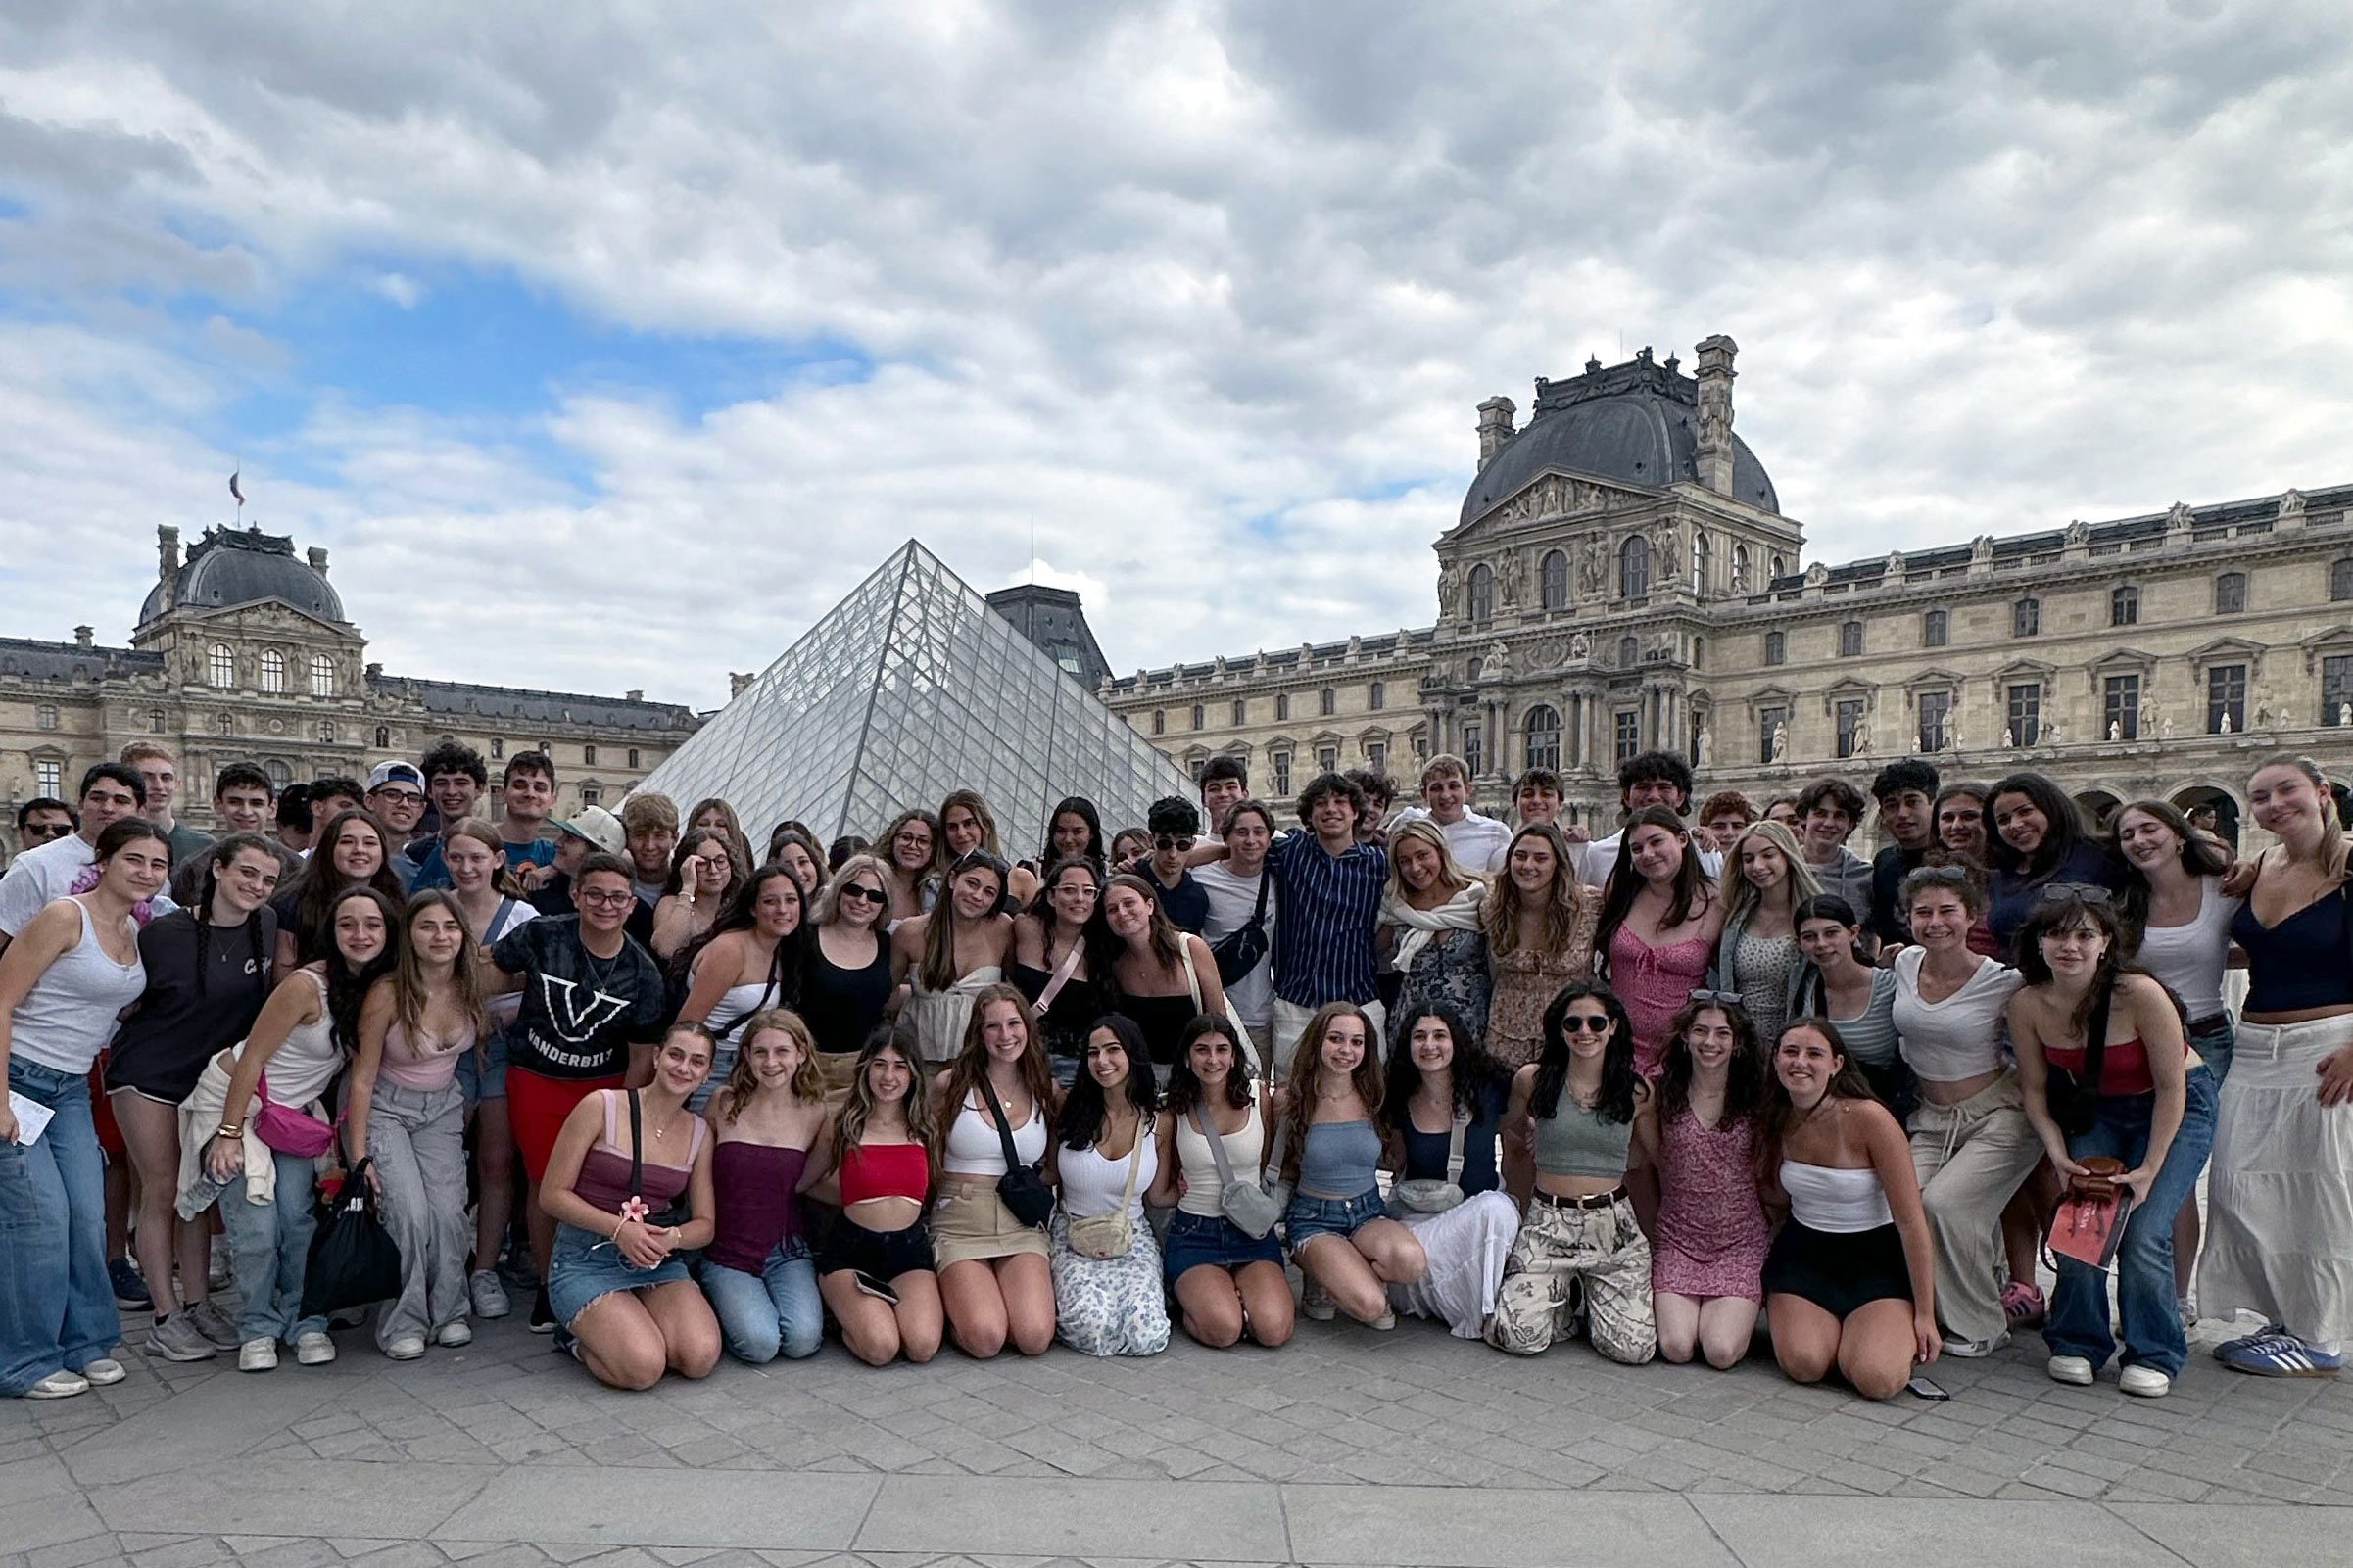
x: 1194, y: 1240
x: 586, y: 1267
x: 1309, y: 1217
x: 482, y: 1083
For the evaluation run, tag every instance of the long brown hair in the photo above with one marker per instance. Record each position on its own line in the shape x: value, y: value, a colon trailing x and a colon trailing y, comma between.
x: 2333, y: 848
x: 1307, y: 1076
x: 1773, y: 1124
x: 971, y: 1062
x: 937, y: 971
x: 859, y: 1104
x: 409, y: 991
x: 1744, y: 1075
x: 1499, y: 914
x: 1690, y: 893
x: 743, y: 1083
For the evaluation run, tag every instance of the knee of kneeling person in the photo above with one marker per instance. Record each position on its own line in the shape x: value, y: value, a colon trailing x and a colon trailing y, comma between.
x: 980, y: 1343
x: 1802, y: 1363
x: 1882, y: 1382
x: 799, y: 1341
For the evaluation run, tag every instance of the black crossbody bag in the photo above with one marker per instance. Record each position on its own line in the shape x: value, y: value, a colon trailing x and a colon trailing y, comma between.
x: 1241, y: 950
x: 1022, y: 1187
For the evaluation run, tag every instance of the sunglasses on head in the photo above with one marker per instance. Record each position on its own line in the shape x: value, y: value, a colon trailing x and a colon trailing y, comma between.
x: 1943, y: 874
x: 1717, y: 998
x: 2087, y: 892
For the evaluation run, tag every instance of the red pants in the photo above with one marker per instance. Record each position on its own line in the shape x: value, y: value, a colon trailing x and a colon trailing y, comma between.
x: 535, y: 1109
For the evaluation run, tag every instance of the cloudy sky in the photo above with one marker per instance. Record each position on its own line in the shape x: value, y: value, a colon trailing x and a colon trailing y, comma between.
x: 604, y: 346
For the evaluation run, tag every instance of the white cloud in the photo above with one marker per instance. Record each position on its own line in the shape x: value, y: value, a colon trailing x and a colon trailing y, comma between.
x: 1181, y: 285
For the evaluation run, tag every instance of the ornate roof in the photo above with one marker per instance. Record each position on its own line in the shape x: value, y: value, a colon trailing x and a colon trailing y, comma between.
x: 229, y: 567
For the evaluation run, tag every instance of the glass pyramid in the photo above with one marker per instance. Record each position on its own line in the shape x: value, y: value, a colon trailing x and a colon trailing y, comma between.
x: 908, y: 689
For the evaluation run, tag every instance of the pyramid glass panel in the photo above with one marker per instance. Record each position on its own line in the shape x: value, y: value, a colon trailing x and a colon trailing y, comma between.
x: 908, y: 689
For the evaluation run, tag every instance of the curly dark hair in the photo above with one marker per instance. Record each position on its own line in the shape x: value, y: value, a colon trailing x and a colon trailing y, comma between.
x: 1476, y: 1074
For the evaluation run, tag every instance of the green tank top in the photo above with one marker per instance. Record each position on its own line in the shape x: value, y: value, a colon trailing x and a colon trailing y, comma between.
x: 1576, y: 1142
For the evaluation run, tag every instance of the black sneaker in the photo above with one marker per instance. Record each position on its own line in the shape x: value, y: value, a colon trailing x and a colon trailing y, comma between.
x: 543, y: 1316
x: 130, y: 1286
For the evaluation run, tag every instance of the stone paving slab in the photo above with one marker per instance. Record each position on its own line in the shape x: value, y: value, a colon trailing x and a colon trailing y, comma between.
x: 609, y: 1508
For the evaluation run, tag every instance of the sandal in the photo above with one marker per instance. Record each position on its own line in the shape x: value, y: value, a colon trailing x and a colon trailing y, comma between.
x: 2022, y: 1303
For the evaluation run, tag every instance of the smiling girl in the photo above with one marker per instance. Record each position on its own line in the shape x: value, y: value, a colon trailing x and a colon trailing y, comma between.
x: 770, y: 1123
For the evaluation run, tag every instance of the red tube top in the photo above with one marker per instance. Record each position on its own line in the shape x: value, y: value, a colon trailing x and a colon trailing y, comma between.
x: 885, y: 1170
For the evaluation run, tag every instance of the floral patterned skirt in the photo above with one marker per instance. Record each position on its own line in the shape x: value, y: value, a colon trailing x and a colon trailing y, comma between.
x: 1110, y: 1305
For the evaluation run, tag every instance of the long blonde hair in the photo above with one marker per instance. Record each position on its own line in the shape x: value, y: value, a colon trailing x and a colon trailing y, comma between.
x: 743, y: 1083
x: 1452, y: 877
x: 1562, y: 905
x: 2334, y: 850
x: 971, y: 1062
x: 1741, y: 896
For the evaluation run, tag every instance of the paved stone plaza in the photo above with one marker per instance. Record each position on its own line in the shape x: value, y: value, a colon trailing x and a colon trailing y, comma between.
x: 1345, y: 1448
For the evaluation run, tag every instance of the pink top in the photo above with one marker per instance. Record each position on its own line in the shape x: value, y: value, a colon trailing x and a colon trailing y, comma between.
x: 424, y: 1066
x: 603, y: 1179
x: 1653, y: 982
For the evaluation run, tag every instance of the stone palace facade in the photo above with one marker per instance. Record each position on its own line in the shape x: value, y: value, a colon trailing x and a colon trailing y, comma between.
x: 1621, y: 578
x: 242, y: 652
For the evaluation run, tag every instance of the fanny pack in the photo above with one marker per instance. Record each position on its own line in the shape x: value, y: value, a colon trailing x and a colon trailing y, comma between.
x: 290, y: 1129
x: 1113, y: 1235
x: 1427, y: 1195
x: 1022, y: 1187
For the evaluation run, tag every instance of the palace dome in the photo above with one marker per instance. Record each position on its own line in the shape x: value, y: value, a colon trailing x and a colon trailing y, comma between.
x: 229, y: 568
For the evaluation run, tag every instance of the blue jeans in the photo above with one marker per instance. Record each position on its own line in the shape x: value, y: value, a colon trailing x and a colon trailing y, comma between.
x: 2077, y: 1322
x: 777, y: 1310
x: 270, y: 1248
x: 57, y: 1308
x: 2214, y: 1039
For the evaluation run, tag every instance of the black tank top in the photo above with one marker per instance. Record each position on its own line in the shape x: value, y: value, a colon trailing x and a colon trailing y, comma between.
x: 842, y: 1005
x: 1071, y: 1013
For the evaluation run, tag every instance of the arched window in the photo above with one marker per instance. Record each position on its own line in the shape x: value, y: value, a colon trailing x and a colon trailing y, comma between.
x: 1241, y: 712
x: 1482, y: 593
x: 221, y: 665
x: 1740, y: 568
x: 1777, y: 647
x: 1851, y: 639
x: 1555, y: 579
x: 1628, y: 653
x: 633, y: 756
x: 384, y: 739
x: 1377, y: 696
x: 273, y: 671
x: 1200, y: 718
x: 2230, y: 593
x: 2026, y: 618
x: 1780, y: 569
x: 1936, y: 629
x: 1544, y: 737
x: 2340, y: 580
x: 1634, y: 567
x: 322, y: 676
x: 1160, y: 721
x: 1282, y: 708
x: 1699, y: 565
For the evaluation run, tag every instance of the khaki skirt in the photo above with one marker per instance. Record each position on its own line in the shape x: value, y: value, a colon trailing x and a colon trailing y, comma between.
x: 970, y: 1223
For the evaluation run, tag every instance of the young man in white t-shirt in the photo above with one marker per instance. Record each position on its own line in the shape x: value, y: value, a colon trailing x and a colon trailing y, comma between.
x: 109, y: 792
x: 1478, y: 842
x: 1233, y: 885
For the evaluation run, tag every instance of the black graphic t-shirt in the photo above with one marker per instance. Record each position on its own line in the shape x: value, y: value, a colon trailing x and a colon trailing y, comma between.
x: 579, y: 1012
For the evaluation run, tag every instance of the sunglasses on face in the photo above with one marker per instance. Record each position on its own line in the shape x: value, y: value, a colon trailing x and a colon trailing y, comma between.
x: 1173, y: 841
x: 1584, y: 1024
x: 872, y: 895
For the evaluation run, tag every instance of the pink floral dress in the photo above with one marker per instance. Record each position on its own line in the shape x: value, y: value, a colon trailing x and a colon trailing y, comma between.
x: 1711, y: 1236
x: 1653, y: 982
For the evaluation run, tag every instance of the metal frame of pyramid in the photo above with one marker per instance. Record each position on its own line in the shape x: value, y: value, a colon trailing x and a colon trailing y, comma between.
x: 910, y: 688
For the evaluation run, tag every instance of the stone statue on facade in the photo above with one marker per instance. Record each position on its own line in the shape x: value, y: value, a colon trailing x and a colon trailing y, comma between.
x: 2263, y: 713
x: 1580, y: 646
x: 1981, y: 550
x: 2345, y: 715
x: 1449, y: 586
x: 2226, y: 724
x: 1514, y: 577
x: 1781, y: 740
x: 1666, y: 547
x: 2148, y: 715
x: 1707, y: 747
x: 1593, y: 568
x: 2291, y: 506
x: 2009, y: 738
x: 1499, y: 660
x: 2078, y: 533
x: 2165, y: 726
x: 1862, y: 738
x: 2116, y: 729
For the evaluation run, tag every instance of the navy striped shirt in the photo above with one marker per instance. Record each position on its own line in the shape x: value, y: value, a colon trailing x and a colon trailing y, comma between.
x: 1327, y: 907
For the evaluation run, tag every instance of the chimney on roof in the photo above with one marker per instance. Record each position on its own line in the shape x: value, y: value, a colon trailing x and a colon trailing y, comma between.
x: 318, y: 560
x: 166, y: 560
x: 375, y: 671
x: 1715, y: 451
x: 638, y: 693
x: 82, y: 636
x: 1495, y: 426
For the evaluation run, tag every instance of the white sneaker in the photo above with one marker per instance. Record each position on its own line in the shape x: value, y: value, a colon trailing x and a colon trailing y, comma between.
x: 403, y: 1348
x: 105, y: 1370
x: 59, y: 1386
x: 1385, y: 1322
x: 1314, y: 1301
x: 2145, y: 1383
x: 455, y: 1333
x: 488, y: 1295
x: 314, y: 1348
x: 1977, y: 1350
x: 2076, y: 1370
x: 257, y: 1356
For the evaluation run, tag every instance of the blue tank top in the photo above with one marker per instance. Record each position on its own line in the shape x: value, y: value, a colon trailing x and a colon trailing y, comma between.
x: 1338, y: 1159
x: 2305, y: 960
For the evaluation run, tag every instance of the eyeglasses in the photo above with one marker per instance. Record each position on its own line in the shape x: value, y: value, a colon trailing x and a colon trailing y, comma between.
x: 1718, y: 998
x: 872, y: 895
x: 1173, y: 841
x: 1585, y: 1024
x: 401, y: 797
x: 2087, y: 892
x: 603, y: 900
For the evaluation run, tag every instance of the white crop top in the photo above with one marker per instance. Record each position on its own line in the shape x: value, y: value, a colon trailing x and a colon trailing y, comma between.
x: 1961, y: 1037
x: 2189, y: 959
x: 974, y: 1148
x: 1839, y: 1201
x: 1200, y: 1169
x: 1091, y: 1184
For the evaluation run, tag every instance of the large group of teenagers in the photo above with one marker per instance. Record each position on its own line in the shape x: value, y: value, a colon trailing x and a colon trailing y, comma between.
x: 1714, y: 1078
